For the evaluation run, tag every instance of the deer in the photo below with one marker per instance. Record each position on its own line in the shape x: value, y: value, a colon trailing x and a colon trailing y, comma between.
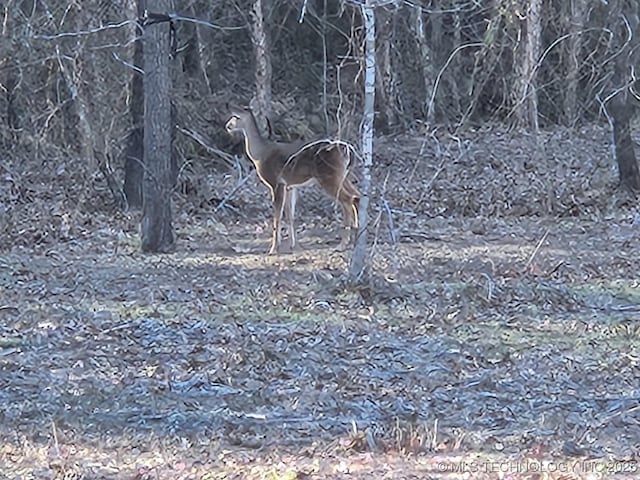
x: 285, y: 167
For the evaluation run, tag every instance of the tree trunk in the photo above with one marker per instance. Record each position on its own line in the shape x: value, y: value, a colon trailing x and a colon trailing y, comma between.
x: 426, y: 63
x: 386, y: 98
x: 437, y: 47
x: 191, y: 59
x: 14, y: 112
x: 134, y: 152
x: 620, y: 105
x: 84, y: 132
x: 358, y: 265
x: 259, y: 38
x: 573, y: 59
x: 157, y: 231
x: 620, y: 109
x: 456, y: 79
x: 526, y: 58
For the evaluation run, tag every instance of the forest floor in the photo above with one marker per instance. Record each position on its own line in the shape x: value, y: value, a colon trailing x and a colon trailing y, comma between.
x: 498, y: 335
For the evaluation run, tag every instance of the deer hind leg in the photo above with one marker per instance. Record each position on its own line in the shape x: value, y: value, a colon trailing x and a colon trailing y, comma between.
x: 349, y: 198
x: 347, y: 195
x: 290, y: 213
x: 278, y: 194
x: 354, y: 193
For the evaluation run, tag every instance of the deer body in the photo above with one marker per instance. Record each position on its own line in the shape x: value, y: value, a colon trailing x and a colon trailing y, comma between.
x: 284, y: 167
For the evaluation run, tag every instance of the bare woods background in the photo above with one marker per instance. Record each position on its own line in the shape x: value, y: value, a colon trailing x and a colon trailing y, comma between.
x: 538, y: 77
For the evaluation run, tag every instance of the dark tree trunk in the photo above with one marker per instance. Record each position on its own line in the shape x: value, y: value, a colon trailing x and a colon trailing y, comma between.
x: 191, y: 58
x: 621, y: 111
x: 262, y: 52
x: 14, y: 117
x: 621, y: 106
x: 134, y: 153
x: 157, y: 231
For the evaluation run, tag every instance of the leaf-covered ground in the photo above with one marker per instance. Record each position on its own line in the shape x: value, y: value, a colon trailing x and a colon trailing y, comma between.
x: 504, y: 343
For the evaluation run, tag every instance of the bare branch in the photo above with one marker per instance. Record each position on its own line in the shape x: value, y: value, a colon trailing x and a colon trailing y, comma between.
x: 128, y: 64
x: 198, y: 138
x: 112, y: 26
x: 444, y: 67
x: 175, y: 16
x: 82, y: 33
x: 303, y: 10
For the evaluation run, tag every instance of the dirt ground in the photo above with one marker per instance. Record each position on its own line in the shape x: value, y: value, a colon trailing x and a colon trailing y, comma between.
x: 497, y: 337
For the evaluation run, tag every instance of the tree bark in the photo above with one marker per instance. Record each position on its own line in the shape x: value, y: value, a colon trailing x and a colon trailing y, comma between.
x: 426, y: 63
x: 526, y: 57
x: 357, y: 268
x: 386, y: 98
x: 437, y: 47
x: 191, y: 58
x: 259, y: 39
x: 621, y: 111
x: 621, y: 105
x: 576, y: 10
x: 11, y: 82
x: 134, y: 152
x: 157, y: 230
x: 457, y: 78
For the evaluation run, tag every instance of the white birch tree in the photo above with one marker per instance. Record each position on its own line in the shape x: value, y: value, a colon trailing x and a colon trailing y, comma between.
x: 358, y: 265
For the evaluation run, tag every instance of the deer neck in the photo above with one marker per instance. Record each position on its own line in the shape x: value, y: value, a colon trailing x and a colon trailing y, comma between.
x: 254, y: 145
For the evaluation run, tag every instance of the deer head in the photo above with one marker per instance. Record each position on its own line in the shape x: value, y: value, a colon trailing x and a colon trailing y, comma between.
x: 239, y: 120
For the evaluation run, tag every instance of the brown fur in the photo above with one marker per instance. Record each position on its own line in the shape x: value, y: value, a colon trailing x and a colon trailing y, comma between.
x: 284, y: 167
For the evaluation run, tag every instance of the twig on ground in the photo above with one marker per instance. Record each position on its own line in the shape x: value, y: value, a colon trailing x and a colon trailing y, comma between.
x: 536, y: 250
x: 230, y: 195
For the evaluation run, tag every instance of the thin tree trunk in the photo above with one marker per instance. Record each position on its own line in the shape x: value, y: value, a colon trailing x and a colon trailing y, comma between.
x: 260, y: 40
x: 12, y: 89
x: 386, y: 98
x: 358, y: 265
x: 157, y: 230
x: 84, y: 132
x: 457, y: 77
x: 437, y: 47
x: 534, y: 41
x: 325, y: 69
x: 191, y: 57
x: 426, y: 63
x: 527, y: 54
x: 134, y: 152
x: 486, y: 62
x: 576, y: 12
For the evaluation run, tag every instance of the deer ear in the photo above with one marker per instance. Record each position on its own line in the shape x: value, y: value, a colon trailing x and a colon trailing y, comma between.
x: 269, y: 127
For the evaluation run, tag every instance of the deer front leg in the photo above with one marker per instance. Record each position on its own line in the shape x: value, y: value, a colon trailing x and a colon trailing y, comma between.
x: 290, y: 213
x: 278, y: 193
